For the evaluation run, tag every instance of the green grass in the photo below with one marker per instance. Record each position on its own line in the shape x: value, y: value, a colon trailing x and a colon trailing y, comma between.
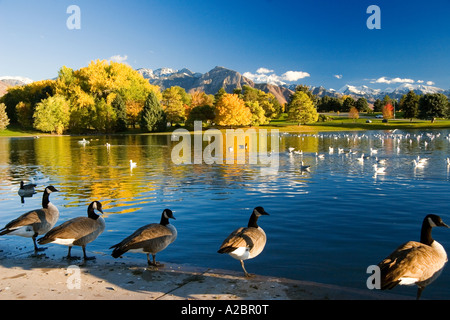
x: 16, y: 131
x: 338, y: 123
x: 345, y: 124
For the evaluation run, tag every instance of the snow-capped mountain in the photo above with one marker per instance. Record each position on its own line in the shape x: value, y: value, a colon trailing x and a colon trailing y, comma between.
x: 418, y: 88
x: 358, y: 90
x: 15, y: 80
x: 396, y: 93
x: 165, y: 73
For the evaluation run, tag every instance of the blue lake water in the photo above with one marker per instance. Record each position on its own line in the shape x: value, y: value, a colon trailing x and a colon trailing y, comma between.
x: 326, y: 225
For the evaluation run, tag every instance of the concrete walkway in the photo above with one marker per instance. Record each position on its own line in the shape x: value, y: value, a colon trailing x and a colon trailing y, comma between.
x: 49, y: 276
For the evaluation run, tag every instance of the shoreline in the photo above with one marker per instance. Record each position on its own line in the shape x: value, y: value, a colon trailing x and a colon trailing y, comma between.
x: 24, y: 277
x: 332, y: 126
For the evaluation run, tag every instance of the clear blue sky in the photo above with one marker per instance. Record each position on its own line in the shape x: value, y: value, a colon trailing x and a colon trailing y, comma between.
x: 327, y: 40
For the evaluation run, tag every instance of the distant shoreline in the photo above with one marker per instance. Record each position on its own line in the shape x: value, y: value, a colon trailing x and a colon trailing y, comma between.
x: 337, y: 124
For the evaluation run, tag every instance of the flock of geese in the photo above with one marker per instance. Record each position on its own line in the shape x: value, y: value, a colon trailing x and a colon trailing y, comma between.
x: 418, y: 263
x: 412, y: 263
x: 242, y: 244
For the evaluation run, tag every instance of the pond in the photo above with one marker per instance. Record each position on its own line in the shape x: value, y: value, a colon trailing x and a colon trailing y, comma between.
x: 327, y: 224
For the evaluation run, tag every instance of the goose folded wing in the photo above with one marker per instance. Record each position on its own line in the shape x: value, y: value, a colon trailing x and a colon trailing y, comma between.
x: 26, y: 219
x: 412, y: 260
x: 240, y: 238
x: 144, y: 234
x: 72, y: 229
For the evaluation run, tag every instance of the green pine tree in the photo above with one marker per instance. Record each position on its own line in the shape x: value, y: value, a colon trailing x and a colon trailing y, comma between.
x: 153, y: 117
x: 120, y: 108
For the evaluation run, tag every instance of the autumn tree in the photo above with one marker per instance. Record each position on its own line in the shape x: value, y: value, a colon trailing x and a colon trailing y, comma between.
x: 388, y: 111
x: 52, y: 115
x: 353, y: 113
x: 24, y: 114
x: 4, y: 120
x: 153, y: 117
x: 231, y: 111
x: 93, y: 89
x: 200, y: 98
x: 174, y: 101
x: 27, y: 96
x: 303, y: 88
x: 266, y: 101
x: 258, y: 113
x: 301, y: 109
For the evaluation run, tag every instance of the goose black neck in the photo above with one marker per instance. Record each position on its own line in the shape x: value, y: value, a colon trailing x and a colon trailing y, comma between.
x: 92, y: 214
x: 164, y: 220
x: 45, y: 199
x: 425, y: 234
x: 253, y: 222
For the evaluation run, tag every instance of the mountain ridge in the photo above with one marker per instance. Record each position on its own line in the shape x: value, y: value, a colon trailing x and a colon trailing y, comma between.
x: 221, y: 77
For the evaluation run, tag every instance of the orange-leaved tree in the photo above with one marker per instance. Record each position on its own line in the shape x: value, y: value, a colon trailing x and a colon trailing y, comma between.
x: 388, y: 111
x: 231, y: 111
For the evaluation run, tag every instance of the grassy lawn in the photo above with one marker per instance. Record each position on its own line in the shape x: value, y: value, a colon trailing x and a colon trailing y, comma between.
x: 16, y: 131
x: 337, y: 123
x: 345, y: 124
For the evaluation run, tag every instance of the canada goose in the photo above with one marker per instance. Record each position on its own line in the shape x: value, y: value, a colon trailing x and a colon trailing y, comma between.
x: 246, y: 243
x: 304, y: 167
x: 36, y: 222
x: 414, y: 262
x: 26, y: 189
x: 149, y: 239
x: 78, y: 231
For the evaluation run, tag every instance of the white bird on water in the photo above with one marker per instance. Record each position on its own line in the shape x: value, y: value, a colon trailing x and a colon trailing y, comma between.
x: 132, y: 164
x: 418, y: 164
x: 379, y: 170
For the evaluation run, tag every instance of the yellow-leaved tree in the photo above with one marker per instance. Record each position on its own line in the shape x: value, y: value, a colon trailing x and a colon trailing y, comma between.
x: 231, y: 111
x: 301, y: 109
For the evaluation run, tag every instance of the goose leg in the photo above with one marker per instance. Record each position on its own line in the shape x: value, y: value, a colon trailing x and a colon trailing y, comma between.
x: 153, y: 263
x: 248, y: 275
x: 419, y: 292
x: 36, y: 249
x: 156, y: 264
x: 85, y: 257
x: 69, y: 256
